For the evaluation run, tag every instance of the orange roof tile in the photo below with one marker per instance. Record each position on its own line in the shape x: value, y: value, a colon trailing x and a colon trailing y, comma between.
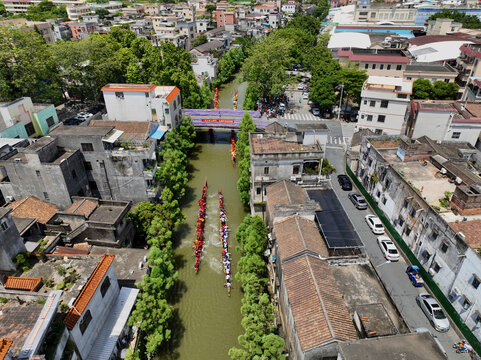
x: 22, y: 283
x: 472, y: 231
x: 88, y: 291
x: 84, y: 207
x: 129, y: 87
x: 70, y: 251
x: 172, y: 94
x: 4, y: 347
x: 33, y: 207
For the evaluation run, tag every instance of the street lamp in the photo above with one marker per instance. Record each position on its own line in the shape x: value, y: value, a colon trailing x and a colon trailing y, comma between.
x: 340, y: 101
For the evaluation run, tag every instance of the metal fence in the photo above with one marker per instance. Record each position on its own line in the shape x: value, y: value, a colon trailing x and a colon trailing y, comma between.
x: 455, y: 317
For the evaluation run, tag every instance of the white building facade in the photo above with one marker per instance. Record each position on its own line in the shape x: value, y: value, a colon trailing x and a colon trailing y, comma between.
x: 138, y: 102
x: 384, y: 101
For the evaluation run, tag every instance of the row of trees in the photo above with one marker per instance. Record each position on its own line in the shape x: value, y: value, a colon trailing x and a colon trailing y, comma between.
x: 152, y: 314
x: 469, y: 22
x: 229, y: 64
x: 266, y: 68
x: 41, y: 12
x: 242, y: 150
x: 440, y: 90
x: 259, y: 340
x: 31, y: 67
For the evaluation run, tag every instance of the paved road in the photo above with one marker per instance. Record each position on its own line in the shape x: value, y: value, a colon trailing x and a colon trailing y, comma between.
x: 392, y: 274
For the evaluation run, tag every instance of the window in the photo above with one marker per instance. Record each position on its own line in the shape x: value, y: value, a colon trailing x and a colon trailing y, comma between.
x: 119, y: 95
x: 146, y: 94
x: 405, y: 204
x: 381, y: 67
x: 381, y: 118
x: 466, y: 303
x: 369, y: 162
x: 477, y: 319
x: 412, y: 213
x: 402, y: 96
x: 399, y: 67
x: 475, y: 281
x: 105, y: 286
x: 407, y: 231
x: 366, y: 66
x: 365, y: 102
x: 400, y: 221
x: 258, y: 191
x: 436, y: 267
x: 433, y: 80
x: 446, y: 80
x: 37, y: 172
x: 444, y: 247
x: 384, y: 200
x: 84, y: 323
x: 87, y: 147
x: 372, y: 103
x: 295, y: 169
x: 29, y: 129
x: 388, y: 184
x: 369, y: 118
x: 409, y: 78
x: 374, y: 66
x: 362, y: 116
x: 266, y: 170
x: 87, y: 165
x: 45, y: 196
x: 4, y: 225
x: 167, y: 110
x: 434, y: 235
x: 93, y: 186
x: 74, y: 174
x: 456, y: 135
x: 426, y: 254
x: 50, y: 121
x: 384, y: 103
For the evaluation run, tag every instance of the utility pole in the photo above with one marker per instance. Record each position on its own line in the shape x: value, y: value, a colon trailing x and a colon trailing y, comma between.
x: 340, y: 102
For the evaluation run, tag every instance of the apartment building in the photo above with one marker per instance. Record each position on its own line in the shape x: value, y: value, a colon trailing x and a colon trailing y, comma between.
x: 43, y: 27
x: 374, y: 13
x: 468, y: 66
x: 143, y: 102
x: 376, y: 62
x: 431, y: 71
x: 407, y: 178
x: 10, y: 241
x: 384, y: 104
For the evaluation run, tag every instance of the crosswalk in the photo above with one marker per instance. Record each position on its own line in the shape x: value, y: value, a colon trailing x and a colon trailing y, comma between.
x: 301, y: 117
x: 338, y: 140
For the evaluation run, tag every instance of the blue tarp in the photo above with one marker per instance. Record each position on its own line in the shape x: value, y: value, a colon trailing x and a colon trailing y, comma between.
x: 158, y: 133
x: 265, y: 24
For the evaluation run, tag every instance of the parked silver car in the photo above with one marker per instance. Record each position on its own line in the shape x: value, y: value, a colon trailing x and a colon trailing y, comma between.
x: 433, y: 311
x: 358, y: 200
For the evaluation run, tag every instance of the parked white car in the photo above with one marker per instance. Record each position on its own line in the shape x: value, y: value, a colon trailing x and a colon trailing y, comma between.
x: 375, y: 224
x: 433, y: 311
x: 388, y: 248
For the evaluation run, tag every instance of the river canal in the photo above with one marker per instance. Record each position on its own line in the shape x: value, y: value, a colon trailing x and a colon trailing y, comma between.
x: 208, y: 321
x: 226, y: 92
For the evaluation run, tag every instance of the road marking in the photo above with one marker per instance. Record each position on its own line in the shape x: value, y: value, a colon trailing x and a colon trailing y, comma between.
x: 386, y: 262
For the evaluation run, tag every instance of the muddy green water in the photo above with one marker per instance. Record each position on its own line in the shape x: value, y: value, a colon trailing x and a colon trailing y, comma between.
x: 208, y: 321
x: 226, y: 92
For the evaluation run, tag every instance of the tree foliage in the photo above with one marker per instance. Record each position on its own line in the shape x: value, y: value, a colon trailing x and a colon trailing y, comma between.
x: 469, y: 22
x: 242, y: 150
x: 199, y: 40
x: 258, y: 340
x: 229, y: 64
x: 440, y: 90
x: 45, y: 10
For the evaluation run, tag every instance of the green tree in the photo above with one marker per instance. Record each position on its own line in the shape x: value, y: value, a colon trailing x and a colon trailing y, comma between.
x: 469, y: 22
x: 45, y: 10
x: 444, y: 91
x: 102, y: 13
x: 353, y: 80
x: 307, y: 23
x: 199, y: 40
x: 422, y: 89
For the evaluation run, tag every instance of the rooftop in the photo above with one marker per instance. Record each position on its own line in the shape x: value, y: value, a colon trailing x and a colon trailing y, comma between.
x: 376, y: 83
x: 430, y: 67
x: 429, y: 39
x: 267, y: 145
x: 22, y: 283
x: 88, y: 290
x: 374, y: 55
x: 5, y: 345
x: 295, y: 235
x: 319, y: 311
x: 33, y: 207
x: 208, y: 46
x: 311, y: 127
x: 108, y: 214
x: 81, y: 130
x: 284, y: 192
x: 17, y: 321
x: 399, y: 347
x: 129, y: 87
x: 84, y: 207
x: 133, y: 130
x: 471, y: 230
x: 425, y: 178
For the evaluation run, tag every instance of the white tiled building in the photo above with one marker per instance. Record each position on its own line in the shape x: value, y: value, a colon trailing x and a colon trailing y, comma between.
x: 384, y: 101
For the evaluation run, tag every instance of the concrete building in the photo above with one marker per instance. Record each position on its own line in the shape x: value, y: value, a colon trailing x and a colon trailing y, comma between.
x: 151, y: 9
x: 442, y: 26
x: 43, y: 27
x: 276, y: 157
x: 201, y: 25
x: 225, y: 17
x: 78, y: 11
x: 376, y: 62
x: 291, y: 7
x: 95, y: 221
x: 468, y: 66
x: 374, y: 13
x: 21, y: 118
x: 45, y: 169
x: 116, y: 170
x: 10, y: 241
x: 407, y: 178
x: 135, y: 102
x: 384, y: 104
x: 82, y: 30
x: 444, y: 120
x: 205, y: 67
x: 17, y: 6
x: 187, y: 30
x: 433, y: 72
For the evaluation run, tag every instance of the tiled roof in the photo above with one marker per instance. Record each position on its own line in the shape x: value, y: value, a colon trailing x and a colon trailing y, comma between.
x: 320, y: 314
x: 84, y: 207
x: 373, y: 58
x: 4, y: 347
x: 33, y: 207
x: 268, y: 145
x: 471, y: 230
x: 138, y: 130
x: 22, y: 283
x: 284, y: 192
x: 297, y: 234
x: 88, y: 291
x: 172, y: 94
x: 70, y: 251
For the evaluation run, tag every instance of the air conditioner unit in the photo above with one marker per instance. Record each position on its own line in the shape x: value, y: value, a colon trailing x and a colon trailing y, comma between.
x: 431, y: 272
x: 9, y: 198
x: 461, y: 235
